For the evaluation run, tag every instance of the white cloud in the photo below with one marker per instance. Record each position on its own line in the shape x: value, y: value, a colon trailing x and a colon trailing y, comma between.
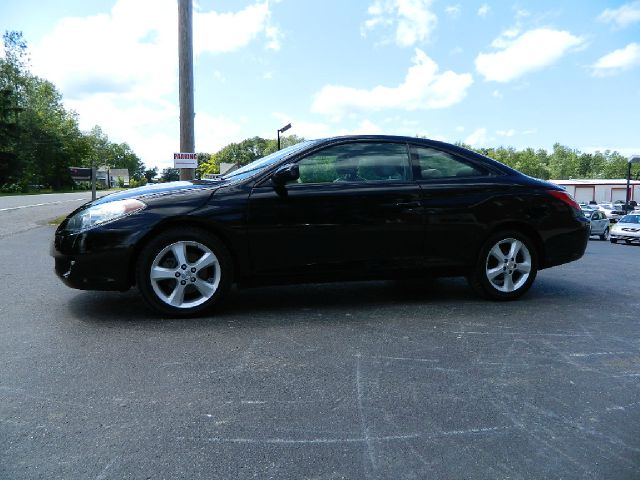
x: 623, y: 16
x: 618, y: 61
x: 312, y: 130
x: 366, y: 127
x: 125, y: 51
x: 478, y: 138
x: 497, y: 94
x: 483, y: 11
x: 533, y: 50
x: 506, y: 37
x: 226, y: 32
x: 213, y: 133
x: 411, y: 20
x: 423, y: 88
x: 119, y: 69
x: 151, y: 129
x: 301, y: 127
x: 506, y: 133
x: 453, y: 10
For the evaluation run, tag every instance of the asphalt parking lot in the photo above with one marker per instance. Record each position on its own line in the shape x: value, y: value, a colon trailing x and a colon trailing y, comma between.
x: 378, y: 380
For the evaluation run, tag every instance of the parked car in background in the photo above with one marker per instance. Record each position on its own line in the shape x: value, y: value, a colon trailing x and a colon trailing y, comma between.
x: 344, y: 208
x: 599, y: 222
x: 627, y: 229
x: 613, y: 212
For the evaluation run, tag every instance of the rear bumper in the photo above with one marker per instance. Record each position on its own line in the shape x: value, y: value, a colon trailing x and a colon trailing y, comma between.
x: 566, y: 247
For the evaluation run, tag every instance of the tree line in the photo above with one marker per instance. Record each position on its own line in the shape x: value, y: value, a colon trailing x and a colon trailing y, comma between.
x: 39, y: 138
x: 561, y: 163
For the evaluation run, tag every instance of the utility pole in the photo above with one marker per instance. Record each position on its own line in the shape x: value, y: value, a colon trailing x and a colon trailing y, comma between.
x: 185, y: 72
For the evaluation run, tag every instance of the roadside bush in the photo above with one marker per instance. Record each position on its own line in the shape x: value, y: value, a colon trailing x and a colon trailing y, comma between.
x: 14, y: 188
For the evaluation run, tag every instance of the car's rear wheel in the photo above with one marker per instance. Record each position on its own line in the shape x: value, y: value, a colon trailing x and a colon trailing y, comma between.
x: 613, y: 240
x: 605, y: 234
x: 184, y: 272
x: 506, y: 267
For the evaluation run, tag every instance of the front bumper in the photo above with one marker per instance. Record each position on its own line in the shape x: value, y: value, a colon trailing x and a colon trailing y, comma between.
x: 98, y: 259
x: 94, y: 271
x: 627, y: 236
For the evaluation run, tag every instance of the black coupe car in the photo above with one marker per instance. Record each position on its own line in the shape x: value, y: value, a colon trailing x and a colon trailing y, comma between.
x: 357, y: 207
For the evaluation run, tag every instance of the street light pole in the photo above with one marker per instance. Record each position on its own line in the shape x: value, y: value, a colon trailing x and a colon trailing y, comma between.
x: 185, y: 73
x: 632, y: 159
x: 282, y: 130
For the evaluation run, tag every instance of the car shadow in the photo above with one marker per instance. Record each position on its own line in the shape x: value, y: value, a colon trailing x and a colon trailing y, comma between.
x: 317, y: 302
x: 281, y: 300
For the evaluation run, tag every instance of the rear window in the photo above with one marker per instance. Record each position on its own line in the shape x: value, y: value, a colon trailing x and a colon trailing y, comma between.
x: 434, y: 164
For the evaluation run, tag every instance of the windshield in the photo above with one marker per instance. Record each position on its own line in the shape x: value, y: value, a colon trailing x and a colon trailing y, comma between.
x: 630, y: 219
x: 265, y: 162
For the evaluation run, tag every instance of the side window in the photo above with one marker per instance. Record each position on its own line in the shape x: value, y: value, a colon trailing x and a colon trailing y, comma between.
x: 356, y: 162
x: 435, y: 164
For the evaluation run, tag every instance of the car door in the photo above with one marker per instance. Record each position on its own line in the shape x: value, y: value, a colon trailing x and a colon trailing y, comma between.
x: 595, y: 223
x: 603, y: 222
x: 453, y: 190
x: 354, y: 208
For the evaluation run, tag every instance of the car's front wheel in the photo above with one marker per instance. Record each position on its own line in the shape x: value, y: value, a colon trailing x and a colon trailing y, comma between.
x: 506, y: 267
x: 183, y: 272
x: 605, y: 234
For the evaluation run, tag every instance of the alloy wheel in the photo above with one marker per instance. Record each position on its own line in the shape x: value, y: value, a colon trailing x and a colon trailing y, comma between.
x: 185, y: 274
x: 508, y: 265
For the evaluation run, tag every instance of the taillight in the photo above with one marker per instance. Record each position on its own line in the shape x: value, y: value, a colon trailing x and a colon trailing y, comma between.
x: 565, y: 197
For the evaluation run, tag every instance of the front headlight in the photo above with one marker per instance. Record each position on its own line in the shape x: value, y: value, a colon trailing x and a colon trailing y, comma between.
x: 103, y: 213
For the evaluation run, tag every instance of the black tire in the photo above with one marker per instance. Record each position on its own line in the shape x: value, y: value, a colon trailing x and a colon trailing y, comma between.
x: 487, y: 261
x: 628, y: 242
x: 613, y: 240
x: 605, y: 234
x: 214, y: 278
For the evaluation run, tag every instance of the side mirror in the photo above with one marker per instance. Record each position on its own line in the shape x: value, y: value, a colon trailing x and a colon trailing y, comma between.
x: 286, y: 173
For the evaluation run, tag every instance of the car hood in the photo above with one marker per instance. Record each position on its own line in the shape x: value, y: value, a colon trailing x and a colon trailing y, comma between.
x: 627, y: 225
x: 160, y: 189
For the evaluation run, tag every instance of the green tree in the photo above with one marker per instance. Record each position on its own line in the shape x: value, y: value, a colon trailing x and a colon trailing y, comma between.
x: 39, y: 138
x: 245, y: 152
x: 150, y: 173
x: 170, y: 175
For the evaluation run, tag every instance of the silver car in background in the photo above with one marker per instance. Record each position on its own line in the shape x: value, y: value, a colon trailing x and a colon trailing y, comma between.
x: 627, y: 229
x: 612, y: 211
x: 599, y: 222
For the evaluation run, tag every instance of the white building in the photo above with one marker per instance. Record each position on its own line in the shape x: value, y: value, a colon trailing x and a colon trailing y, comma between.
x: 113, y: 174
x: 600, y: 190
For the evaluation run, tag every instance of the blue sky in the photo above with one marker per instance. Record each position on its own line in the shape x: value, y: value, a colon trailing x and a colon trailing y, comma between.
x: 490, y: 73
